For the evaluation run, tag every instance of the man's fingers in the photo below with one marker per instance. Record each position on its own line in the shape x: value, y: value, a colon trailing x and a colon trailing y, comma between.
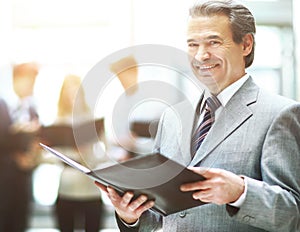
x: 138, y: 206
x: 199, y: 185
x: 145, y: 207
x: 113, y: 195
x: 138, y: 202
x: 101, y: 186
x: 126, y: 199
x: 204, y: 195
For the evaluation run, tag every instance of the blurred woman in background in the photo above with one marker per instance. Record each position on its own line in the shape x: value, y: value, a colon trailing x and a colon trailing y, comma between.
x: 79, y: 202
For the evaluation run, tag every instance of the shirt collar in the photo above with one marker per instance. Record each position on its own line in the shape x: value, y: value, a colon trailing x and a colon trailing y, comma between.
x: 223, y: 96
x: 228, y: 92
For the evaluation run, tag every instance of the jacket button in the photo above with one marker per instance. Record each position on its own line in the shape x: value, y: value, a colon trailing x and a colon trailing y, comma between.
x: 248, y: 219
x: 182, y: 214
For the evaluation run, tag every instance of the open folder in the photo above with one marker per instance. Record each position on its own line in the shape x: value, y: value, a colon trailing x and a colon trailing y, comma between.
x: 154, y: 175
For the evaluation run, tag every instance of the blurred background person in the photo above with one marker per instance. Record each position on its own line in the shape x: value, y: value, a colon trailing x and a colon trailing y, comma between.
x: 7, y: 217
x: 123, y: 143
x: 79, y: 203
x: 19, y: 150
x: 132, y: 133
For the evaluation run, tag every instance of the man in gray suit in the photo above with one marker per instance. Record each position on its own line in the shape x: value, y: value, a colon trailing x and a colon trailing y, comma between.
x: 250, y: 156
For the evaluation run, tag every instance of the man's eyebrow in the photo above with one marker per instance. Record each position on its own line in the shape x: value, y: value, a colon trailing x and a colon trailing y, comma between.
x: 206, y: 38
x: 214, y: 37
x: 190, y: 40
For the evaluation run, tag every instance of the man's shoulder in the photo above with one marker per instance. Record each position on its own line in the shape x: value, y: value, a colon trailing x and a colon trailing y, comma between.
x: 277, y: 100
x: 263, y: 96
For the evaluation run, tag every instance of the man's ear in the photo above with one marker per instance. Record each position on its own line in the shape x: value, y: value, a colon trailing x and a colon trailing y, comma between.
x: 247, y: 44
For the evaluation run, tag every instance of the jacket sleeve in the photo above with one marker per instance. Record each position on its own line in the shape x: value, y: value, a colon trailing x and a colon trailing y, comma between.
x: 149, y: 221
x: 277, y: 195
x: 125, y: 228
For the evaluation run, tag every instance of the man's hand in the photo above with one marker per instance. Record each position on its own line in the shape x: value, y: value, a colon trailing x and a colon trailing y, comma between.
x: 127, y: 209
x: 220, y: 186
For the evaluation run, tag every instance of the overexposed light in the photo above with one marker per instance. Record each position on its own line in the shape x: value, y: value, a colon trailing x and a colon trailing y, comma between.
x: 45, y: 183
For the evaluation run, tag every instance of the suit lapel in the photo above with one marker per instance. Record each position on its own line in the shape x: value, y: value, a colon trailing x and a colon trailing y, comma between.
x: 187, y: 116
x: 230, y: 119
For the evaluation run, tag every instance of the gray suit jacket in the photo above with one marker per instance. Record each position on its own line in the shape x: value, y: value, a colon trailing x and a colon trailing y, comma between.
x: 256, y: 135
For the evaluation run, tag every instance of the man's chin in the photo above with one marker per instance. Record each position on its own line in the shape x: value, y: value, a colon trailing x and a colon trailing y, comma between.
x: 207, y: 80
x: 210, y: 84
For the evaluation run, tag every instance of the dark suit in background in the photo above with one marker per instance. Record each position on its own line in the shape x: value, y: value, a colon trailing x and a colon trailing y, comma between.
x: 14, y: 197
x: 18, y: 152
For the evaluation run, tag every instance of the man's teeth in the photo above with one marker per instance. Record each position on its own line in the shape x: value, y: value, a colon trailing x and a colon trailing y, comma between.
x: 206, y: 67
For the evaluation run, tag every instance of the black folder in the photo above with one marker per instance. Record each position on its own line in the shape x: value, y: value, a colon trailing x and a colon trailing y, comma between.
x: 71, y: 136
x: 154, y: 175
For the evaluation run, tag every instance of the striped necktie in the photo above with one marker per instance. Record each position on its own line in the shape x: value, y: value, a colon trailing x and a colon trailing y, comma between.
x: 211, y: 105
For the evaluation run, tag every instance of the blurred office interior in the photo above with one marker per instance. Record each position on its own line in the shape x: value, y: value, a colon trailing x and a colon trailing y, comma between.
x: 67, y: 36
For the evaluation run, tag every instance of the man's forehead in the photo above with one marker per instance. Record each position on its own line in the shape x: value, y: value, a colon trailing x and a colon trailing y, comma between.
x: 209, y: 21
x: 208, y: 27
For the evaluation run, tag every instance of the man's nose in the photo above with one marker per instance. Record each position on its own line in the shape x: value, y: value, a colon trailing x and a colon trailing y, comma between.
x: 202, y: 54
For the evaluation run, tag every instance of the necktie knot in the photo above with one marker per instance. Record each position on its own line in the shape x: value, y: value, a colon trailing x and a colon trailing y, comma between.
x: 213, y: 103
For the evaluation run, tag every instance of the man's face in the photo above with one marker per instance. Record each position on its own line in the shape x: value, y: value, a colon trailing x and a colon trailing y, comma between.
x: 216, y: 59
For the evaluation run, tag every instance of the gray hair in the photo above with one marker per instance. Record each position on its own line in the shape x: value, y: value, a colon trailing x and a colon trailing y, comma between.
x: 241, y: 19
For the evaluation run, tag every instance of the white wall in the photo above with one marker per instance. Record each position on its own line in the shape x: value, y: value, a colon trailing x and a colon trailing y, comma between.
x: 296, y: 23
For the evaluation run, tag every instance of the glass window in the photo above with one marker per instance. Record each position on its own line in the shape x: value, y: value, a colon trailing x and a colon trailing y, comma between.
x: 273, y: 66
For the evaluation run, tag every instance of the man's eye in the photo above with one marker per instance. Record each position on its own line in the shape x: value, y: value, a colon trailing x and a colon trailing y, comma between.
x: 214, y: 43
x: 193, y: 45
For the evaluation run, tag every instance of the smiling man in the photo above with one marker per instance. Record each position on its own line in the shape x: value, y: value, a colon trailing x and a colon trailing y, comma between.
x: 218, y: 60
x: 244, y: 141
